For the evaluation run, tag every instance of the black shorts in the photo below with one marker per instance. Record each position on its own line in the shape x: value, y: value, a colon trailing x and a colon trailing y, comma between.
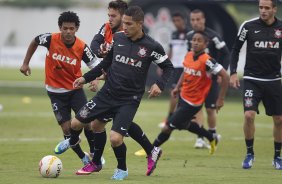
x: 270, y: 93
x: 63, y: 103
x: 176, y: 75
x: 183, y: 114
x: 210, y: 101
x: 105, y: 105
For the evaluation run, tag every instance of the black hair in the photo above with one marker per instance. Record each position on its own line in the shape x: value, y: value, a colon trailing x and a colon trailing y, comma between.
x: 68, y: 16
x: 177, y: 14
x: 205, y: 36
x: 198, y: 11
x: 135, y: 12
x: 119, y: 5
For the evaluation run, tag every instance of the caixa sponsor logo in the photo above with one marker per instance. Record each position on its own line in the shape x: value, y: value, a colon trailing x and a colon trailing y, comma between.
x: 129, y: 61
x: 267, y: 44
x: 64, y: 59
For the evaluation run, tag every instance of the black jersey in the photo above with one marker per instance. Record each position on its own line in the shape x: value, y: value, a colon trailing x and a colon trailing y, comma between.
x: 128, y: 63
x: 217, y: 48
x: 263, y: 56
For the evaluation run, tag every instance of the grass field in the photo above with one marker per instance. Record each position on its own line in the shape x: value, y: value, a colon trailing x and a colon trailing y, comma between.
x: 28, y: 131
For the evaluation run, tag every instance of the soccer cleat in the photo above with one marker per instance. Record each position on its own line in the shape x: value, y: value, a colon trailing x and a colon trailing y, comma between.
x: 212, y: 146
x: 277, y: 163
x: 86, y: 159
x: 89, y: 168
x: 62, y: 146
x: 120, y: 174
x: 248, y: 162
x: 140, y: 153
x: 200, y: 143
x: 153, y: 159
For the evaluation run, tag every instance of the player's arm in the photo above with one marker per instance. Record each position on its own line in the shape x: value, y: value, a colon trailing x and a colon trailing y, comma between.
x: 178, y: 86
x: 96, y: 71
x: 215, y: 68
x: 97, y: 41
x: 223, y: 56
x: 240, y: 39
x: 91, y: 61
x: 43, y: 40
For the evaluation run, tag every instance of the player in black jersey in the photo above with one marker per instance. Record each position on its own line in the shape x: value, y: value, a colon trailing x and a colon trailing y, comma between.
x: 218, y: 50
x: 262, y: 76
x: 127, y: 64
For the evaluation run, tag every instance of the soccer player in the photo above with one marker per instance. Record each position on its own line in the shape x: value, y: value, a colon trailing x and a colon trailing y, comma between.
x: 100, y: 45
x: 177, y: 52
x: 262, y: 76
x: 62, y: 67
x: 193, y: 86
x: 218, y: 50
x: 127, y: 64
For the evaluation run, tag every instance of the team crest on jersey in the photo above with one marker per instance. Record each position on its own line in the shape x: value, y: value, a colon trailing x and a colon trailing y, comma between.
x: 84, y: 112
x: 142, y: 52
x: 248, y: 102
x: 278, y: 33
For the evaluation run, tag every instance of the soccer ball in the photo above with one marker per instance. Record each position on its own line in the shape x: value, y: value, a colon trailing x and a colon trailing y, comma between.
x: 50, y: 166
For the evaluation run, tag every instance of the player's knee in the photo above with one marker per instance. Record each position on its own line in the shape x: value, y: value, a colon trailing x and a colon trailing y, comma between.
x: 250, y: 116
x: 76, y: 124
x: 277, y: 121
x: 97, y: 126
x: 116, y: 139
x: 211, y: 112
x: 166, y: 129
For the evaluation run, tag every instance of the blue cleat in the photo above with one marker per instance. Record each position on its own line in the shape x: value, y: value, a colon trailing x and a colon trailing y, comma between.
x: 248, y: 162
x: 86, y: 159
x: 120, y: 174
x: 277, y: 163
x: 62, y: 146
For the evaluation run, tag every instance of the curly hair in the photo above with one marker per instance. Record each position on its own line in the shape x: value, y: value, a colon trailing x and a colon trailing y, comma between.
x: 68, y: 16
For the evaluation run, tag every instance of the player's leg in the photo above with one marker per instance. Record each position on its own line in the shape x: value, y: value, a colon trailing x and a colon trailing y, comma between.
x: 200, y: 142
x: 124, y: 115
x: 62, y: 110
x: 252, y: 96
x: 272, y: 103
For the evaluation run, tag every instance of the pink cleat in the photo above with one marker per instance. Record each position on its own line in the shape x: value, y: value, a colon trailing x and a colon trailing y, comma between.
x: 153, y: 159
x: 89, y: 168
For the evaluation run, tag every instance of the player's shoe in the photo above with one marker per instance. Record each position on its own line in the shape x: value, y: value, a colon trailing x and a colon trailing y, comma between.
x: 89, y: 168
x: 153, y: 160
x: 120, y: 174
x: 103, y: 161
x: 86, y: 159
x: 200, y: 143
x: 140, y: 153
x: 277, y: 163
x: 64, y: 146
x: 214, y: 143
x: 248, y: 162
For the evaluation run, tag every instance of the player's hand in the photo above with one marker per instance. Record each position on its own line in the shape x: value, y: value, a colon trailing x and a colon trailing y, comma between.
x: 103, y: 50
x: 174, y: 92
x: 219, y: 104
x: 234, y: 81
x: 25, y: 70
x: 154, y: 91
x: 94, y: 85
x: 78, y: 83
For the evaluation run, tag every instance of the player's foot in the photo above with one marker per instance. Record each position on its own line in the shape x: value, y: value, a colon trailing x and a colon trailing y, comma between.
x: 86, y: 159
x: 212, y: 146
x: 200, y: 143
x: 217, y: 138
x: 103, y: 161
x: 64, y: 146
x: 120, y: 174
x: 248, y: 162
x: 277, y: 163
x: 140, y: 153
x: 153, y: 159
x: 89, y: 168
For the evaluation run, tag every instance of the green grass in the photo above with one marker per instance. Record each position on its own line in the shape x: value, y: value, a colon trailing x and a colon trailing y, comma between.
x: 28, y: 131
